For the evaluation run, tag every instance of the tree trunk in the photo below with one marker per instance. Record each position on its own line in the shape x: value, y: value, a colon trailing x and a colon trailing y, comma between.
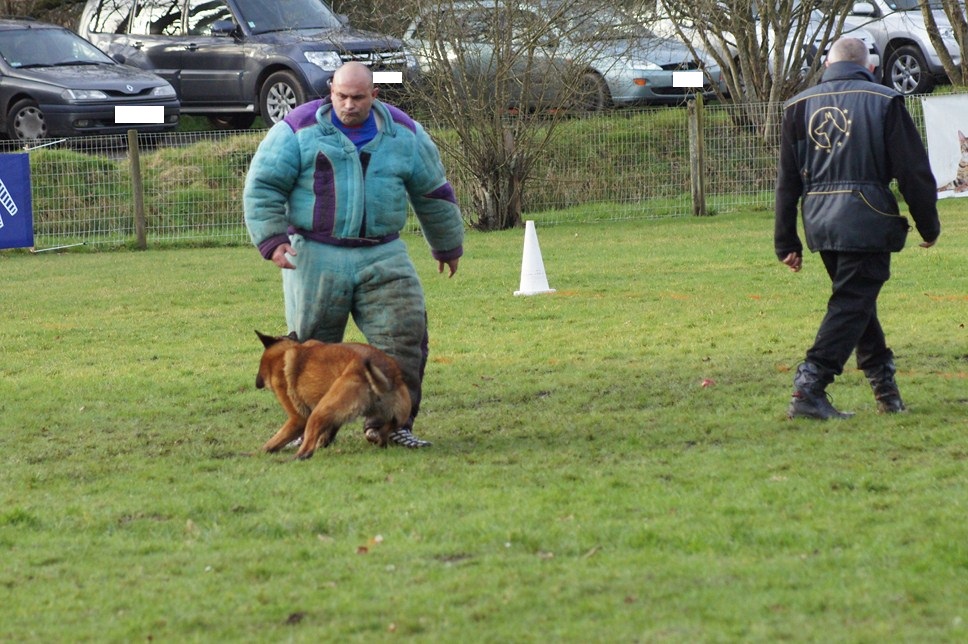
x: 500, y: 183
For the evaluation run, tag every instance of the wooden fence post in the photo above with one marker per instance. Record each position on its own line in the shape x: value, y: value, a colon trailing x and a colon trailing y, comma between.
x: 138, y: 189
x: 697, y: 157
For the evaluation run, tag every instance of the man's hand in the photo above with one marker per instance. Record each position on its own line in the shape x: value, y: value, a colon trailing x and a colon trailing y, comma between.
x: 279, y: 256
x: 794, y: 261
x: 928, y: 244
x: 451, y: 264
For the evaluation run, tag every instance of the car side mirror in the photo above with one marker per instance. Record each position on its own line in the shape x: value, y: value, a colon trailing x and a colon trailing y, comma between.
x: 223, y: 28
x: 863, y: 9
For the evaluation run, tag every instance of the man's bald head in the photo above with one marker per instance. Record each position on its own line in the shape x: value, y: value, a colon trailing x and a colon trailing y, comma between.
x: 848, y: 49
x: 353, y: 72
x: 353, y: 93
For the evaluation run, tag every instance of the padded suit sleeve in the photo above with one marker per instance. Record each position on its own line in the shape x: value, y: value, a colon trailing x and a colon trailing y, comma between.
x: 434, y: 201
x: 272, y: 174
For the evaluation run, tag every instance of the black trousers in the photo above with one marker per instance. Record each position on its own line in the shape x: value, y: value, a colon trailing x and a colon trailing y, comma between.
x: 851, y: 321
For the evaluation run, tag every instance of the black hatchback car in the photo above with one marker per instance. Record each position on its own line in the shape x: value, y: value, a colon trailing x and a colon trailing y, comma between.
x: 54, y: 83
x: 231, y: 60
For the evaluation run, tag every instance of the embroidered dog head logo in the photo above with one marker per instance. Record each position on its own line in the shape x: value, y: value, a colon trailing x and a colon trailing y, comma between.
x: 828, y: 128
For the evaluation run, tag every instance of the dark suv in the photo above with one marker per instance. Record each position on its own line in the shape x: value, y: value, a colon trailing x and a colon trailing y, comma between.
x: 231, y: 60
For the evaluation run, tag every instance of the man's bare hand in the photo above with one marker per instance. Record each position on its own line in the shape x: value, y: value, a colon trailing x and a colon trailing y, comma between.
x: 279, y: 256
x: 794, y: 261
x: 451, y: 264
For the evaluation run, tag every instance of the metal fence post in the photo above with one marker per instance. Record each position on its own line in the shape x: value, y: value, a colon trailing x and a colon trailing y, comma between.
x: 697, y: 158
x: 138, y: 190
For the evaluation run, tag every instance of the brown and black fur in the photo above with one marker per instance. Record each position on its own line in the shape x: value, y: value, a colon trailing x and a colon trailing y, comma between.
x: 323, y: 386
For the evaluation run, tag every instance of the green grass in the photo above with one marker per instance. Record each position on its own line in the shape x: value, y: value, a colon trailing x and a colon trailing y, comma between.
x: 583, y: 484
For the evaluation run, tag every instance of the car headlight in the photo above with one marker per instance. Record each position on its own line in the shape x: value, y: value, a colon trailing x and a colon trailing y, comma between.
x: 83, y: 95
x: 163, y: 91
x: 328, y: 60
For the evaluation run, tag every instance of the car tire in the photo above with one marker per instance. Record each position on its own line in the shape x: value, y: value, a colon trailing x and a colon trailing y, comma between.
x: 279, y: 95
x: 231, y: 121
x: 26, y: 122
x: 593, y: 95
x: 907, y: 71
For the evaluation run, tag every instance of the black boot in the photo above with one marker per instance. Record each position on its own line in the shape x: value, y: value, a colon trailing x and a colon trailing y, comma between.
x: 885, y: 388
x: 810, y: 396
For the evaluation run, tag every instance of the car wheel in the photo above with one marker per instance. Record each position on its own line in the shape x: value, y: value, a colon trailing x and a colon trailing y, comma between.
x: 907, y: 72
x: 232, y: 121
x: 593, y: 94
x: 25, y: 121
x: 280, y: 94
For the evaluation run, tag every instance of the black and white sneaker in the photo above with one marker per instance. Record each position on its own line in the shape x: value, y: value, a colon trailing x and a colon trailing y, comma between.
x: 402, y: 436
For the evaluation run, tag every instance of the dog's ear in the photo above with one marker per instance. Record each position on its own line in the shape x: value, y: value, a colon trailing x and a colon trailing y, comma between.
x: 267, y: 340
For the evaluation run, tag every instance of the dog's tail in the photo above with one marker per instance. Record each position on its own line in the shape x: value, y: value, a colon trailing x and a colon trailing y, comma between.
x: 378, y: 380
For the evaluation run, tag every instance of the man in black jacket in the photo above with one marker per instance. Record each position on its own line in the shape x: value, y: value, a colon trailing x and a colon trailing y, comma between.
x: 843, y: 142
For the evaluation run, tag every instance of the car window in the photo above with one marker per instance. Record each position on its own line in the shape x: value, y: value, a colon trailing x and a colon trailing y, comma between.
x: 912, y: 5
x: 285, y: 15
x: 60, y: 47
x: 524, y: 23
x: 110, y: 17
x: 475, y: 27
x: 157, y: 18
x: 15, y: 48
x: 202, y: 15
x: 453, y: 26
x: 601, y: 24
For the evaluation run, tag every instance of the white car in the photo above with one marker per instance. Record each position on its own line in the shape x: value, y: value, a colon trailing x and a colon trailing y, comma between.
x: 911, y: 64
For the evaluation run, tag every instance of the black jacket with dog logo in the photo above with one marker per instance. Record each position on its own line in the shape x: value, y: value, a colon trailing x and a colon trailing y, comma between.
x: 843, y: 141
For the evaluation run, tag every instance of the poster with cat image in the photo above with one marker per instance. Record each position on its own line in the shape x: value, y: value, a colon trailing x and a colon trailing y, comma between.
x: 946, y: 126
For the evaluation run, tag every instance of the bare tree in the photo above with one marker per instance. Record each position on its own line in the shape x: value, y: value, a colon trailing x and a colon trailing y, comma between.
x: 768, y: 51
x: 58, y: 12
x: 955, y: 11
x: 501, y: 76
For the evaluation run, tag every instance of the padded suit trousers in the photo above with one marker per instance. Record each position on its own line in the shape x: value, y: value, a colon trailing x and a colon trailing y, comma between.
x: 376, y: 285
x: 851, y: 320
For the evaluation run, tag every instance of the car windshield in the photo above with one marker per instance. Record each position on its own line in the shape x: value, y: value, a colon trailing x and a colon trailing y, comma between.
x: 286, y: 15
x: 598, y: 24
x: 32, y: 47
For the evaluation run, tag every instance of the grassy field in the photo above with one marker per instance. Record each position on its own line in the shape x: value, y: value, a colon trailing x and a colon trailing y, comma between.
x: 584, y: 485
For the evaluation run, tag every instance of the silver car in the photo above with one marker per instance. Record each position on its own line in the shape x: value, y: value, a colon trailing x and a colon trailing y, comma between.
x: 615, y: 60
x: 634, y: 65
x: 911, y: 64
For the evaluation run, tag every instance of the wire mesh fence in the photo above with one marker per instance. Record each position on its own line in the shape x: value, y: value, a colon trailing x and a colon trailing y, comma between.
x: 619, y: 165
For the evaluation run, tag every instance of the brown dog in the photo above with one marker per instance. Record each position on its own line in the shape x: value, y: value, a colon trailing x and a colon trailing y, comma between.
x: 322, y: 386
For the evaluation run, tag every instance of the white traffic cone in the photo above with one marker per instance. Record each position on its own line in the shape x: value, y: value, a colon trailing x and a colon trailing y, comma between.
x: 533, y: 278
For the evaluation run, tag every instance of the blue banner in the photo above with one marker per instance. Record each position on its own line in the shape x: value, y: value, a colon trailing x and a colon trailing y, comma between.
x: 16, y: 205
